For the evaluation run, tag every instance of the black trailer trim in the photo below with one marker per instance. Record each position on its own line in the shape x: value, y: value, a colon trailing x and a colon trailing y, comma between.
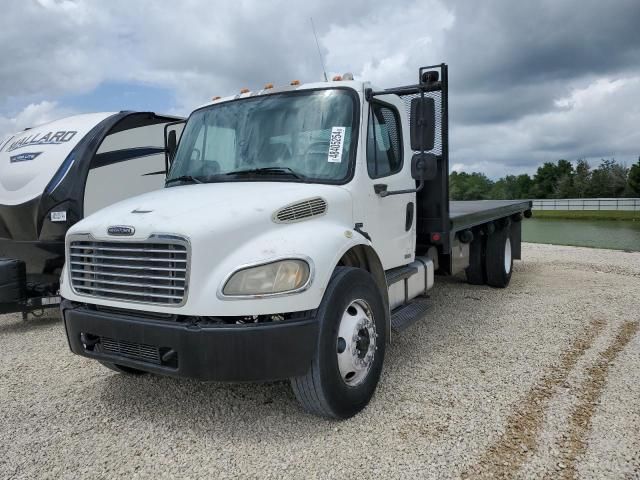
x: 31, y: 305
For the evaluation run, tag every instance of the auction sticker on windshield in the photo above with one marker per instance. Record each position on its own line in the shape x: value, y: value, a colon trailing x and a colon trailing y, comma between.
x: 336, y: 143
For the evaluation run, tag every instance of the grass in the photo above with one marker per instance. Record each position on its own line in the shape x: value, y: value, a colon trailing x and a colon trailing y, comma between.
x: 588, y: 214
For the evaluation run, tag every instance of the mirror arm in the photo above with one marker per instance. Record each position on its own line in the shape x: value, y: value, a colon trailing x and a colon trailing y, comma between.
x: 381, y: 189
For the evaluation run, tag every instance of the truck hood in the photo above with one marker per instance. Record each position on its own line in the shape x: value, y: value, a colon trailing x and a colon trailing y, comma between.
x: 230, y: 226
x: 242, y: 208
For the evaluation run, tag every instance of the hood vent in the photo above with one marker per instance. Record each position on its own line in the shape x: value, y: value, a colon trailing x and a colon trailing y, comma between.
x: 296, y: 212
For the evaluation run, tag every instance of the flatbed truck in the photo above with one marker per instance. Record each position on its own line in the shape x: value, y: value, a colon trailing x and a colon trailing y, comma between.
x: 301, y: 227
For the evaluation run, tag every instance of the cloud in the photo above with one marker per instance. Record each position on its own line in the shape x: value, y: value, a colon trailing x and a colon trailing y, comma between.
x: 388, y: 45
x: 530, y: 82
x: 32, y: 115
x: 593, y: 122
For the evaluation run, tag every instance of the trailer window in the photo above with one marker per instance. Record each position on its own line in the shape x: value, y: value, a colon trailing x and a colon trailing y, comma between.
x: 310, y: 133
x: 384, y: 144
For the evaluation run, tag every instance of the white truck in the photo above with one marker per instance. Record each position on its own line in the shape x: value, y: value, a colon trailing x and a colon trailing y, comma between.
x: 53, y: 175
x: 300, y: 227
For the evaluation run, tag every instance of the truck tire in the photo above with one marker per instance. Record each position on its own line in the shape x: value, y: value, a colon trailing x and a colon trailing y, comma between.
x: 122, y: 369
x: 350, y: 350
x: 475, y: 272
x: 499, y: 258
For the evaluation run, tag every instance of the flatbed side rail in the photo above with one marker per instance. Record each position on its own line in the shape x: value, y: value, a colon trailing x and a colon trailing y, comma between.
x: 470, y: 214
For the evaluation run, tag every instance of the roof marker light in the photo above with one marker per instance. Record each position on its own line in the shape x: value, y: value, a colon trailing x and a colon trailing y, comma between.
x: 295, y: 82
x: 216, y: 98
x: 347, y: 76
x: 268, y: 86
x: 337, y: 78
x: 244, y: 90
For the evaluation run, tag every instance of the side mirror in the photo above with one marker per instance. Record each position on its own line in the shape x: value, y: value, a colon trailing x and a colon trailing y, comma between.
x: 423, y: 124
x: 172, y: 144
x: 424, y: 166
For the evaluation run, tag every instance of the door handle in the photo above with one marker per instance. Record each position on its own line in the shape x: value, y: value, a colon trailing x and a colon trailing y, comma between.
x: 409, y: 218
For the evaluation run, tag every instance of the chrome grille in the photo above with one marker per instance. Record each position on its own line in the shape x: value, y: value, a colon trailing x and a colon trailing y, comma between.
x: 301, y: 210
x: 154, y: 271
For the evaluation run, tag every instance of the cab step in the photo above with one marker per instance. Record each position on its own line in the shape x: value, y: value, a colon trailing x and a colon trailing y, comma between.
x: 398, y: 274
x: 404, y: 316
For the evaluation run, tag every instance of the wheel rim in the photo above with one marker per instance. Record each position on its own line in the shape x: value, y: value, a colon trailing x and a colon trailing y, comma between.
x: 356, y: 344
x: 507, y: 256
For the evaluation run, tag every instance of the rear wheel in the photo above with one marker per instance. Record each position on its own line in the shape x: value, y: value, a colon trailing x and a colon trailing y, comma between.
x: 122, y: 369
x: 350, y: 349
x: 499, y: 258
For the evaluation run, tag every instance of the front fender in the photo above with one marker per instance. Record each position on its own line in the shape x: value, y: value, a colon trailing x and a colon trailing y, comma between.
x: 323, y: 242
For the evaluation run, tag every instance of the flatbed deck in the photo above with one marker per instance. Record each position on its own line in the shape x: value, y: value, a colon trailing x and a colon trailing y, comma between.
x: 467, y: 214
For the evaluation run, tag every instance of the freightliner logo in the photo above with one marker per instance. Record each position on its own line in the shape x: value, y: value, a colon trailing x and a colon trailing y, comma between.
x: 121, y: 230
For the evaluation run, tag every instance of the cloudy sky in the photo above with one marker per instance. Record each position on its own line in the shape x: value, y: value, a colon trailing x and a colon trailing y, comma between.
x: 530, y: 81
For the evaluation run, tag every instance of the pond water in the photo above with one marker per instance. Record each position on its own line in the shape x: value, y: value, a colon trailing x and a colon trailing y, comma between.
x: 614, y: 234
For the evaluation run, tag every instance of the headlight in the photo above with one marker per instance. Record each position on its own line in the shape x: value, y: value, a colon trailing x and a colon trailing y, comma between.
x: 277, y: 277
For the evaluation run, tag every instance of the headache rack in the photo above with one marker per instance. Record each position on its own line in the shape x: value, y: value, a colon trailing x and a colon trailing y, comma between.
x: 153, y: 271
x: 432, y: 210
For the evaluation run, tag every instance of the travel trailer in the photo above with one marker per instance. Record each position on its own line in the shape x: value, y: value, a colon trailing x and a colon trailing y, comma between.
x: 52, y: 176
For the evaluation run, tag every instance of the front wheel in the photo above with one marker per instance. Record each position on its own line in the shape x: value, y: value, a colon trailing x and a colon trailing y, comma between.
x: 351, y: 345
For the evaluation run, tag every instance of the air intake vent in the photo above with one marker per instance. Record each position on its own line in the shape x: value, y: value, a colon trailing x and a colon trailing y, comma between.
x: 298, y: 211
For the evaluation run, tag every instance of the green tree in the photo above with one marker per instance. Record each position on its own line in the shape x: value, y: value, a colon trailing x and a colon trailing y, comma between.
x: 565, y: 187
x: 633, y: 180
x: 582, y: 178
x: 469, y: 186
x: 609, y: 180
x: 512, y: 187
x: 547, y: 177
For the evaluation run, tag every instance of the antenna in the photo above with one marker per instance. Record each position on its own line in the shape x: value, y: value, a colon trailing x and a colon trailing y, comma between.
x: 319, y: 53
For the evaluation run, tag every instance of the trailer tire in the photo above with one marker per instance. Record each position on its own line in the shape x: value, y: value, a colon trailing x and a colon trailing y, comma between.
x: 475, y: 272
x: 352, y: 306
x: 122, y: 369
x: 499, y: 258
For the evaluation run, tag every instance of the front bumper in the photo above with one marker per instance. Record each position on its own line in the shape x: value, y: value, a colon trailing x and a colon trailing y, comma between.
x: 252, y: 352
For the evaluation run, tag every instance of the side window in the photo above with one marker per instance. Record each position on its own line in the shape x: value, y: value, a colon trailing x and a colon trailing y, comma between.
x: 384, y: 144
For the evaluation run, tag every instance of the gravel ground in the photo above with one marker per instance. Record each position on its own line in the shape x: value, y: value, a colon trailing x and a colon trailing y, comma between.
x: 537, y: 381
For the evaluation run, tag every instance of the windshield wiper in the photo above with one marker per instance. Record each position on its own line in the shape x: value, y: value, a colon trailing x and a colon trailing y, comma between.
x: 268, y: 171
x: 183, y: 178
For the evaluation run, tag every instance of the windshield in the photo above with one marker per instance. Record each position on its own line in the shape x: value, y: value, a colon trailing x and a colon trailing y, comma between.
x: 302, y: 135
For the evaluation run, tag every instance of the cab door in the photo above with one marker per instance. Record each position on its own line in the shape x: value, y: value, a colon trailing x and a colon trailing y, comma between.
x: 390, y: 220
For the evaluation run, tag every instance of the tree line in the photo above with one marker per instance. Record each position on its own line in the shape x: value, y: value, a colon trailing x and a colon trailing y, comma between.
x: 552, y: 180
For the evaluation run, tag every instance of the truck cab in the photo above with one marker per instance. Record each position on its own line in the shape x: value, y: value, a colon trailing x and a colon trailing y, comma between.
x: 298, y: 228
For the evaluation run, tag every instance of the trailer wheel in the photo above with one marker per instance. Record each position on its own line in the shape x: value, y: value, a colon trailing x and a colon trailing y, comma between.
x: 475, y: 272
x: 499, y: 258
x: 350, y: 351
x: 122, y: 369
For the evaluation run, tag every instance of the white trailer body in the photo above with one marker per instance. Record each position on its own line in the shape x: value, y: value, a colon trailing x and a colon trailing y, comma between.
x: 53, y: 175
